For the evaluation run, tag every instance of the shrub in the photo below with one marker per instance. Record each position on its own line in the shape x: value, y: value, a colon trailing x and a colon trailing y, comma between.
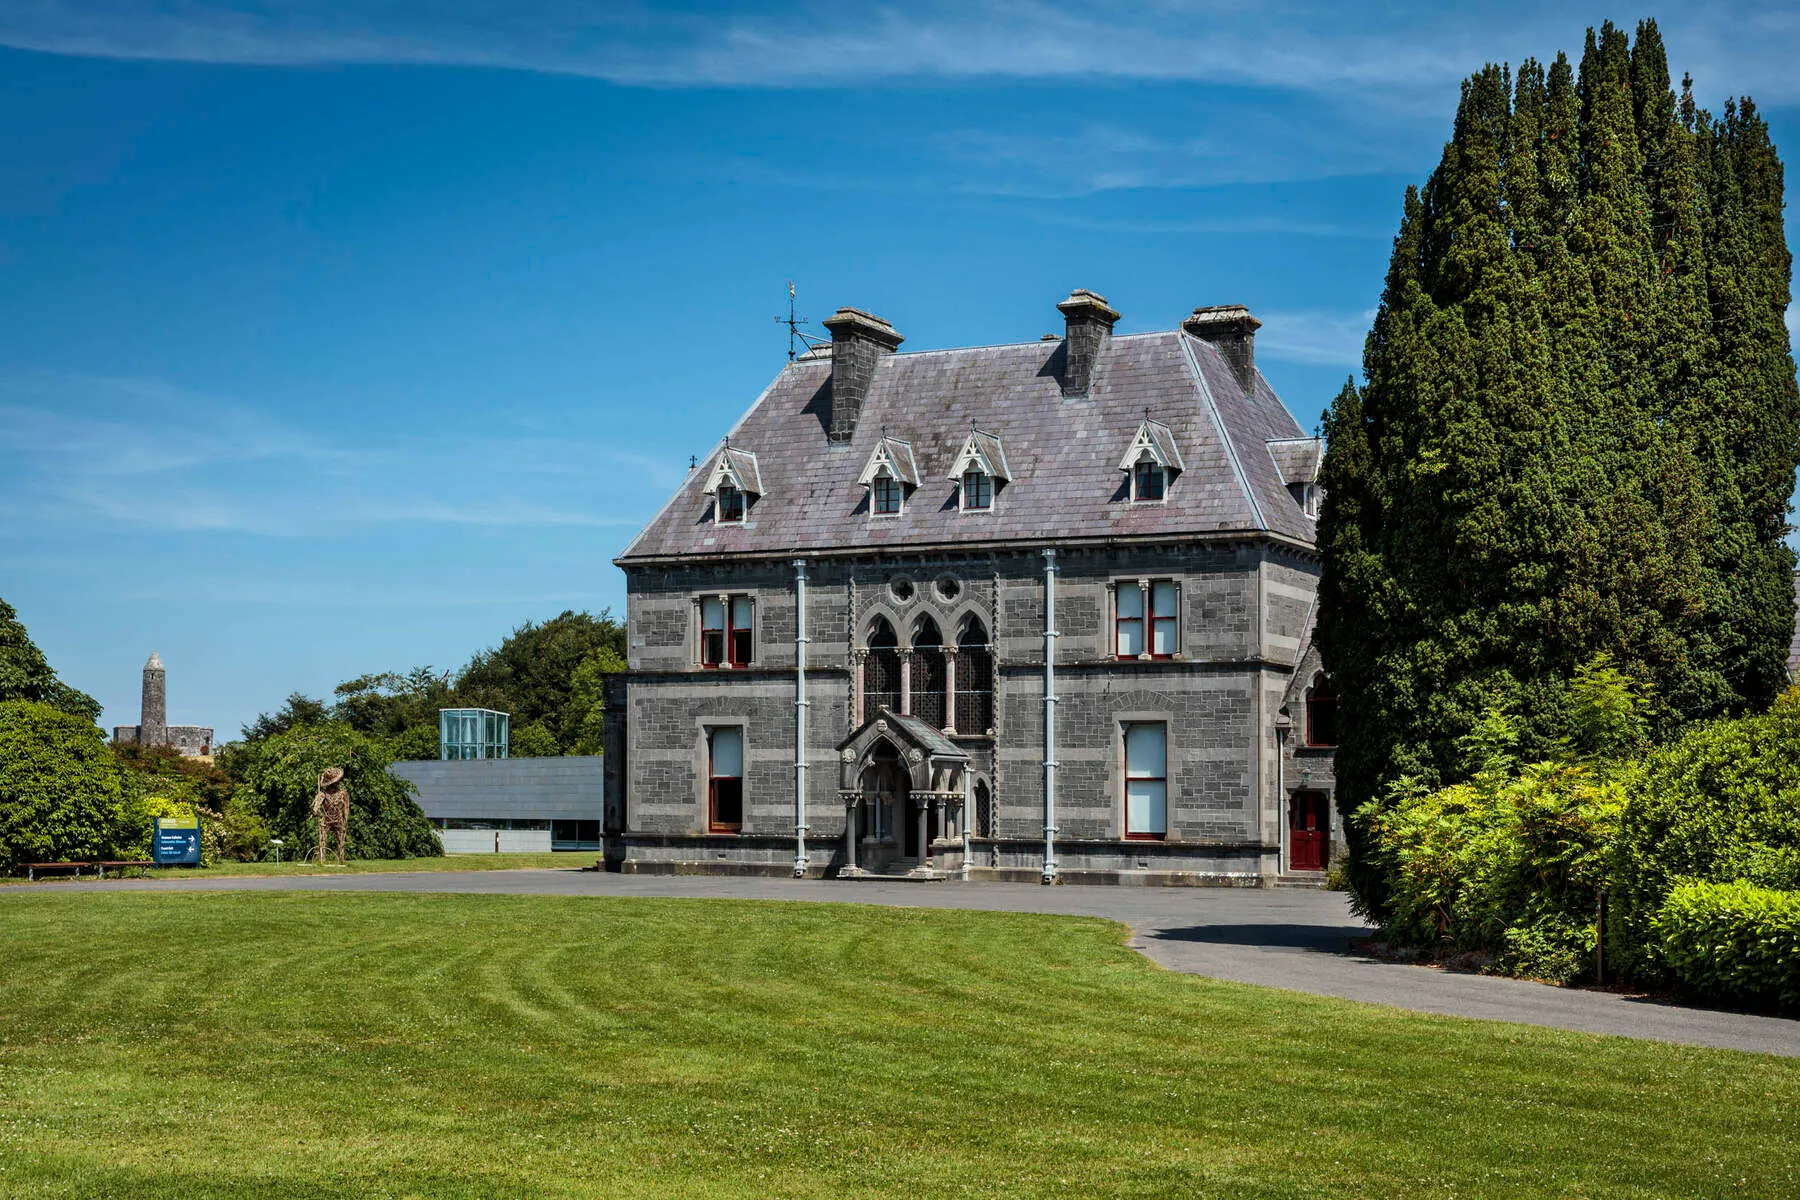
x: 61, y: 796
x: 282, y: 773
x: 1721, y: 803
x: 1733, y: 941
x: 1508, y: 865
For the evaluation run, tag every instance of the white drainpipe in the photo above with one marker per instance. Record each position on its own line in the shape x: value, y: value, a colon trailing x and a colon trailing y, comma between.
x: 1050, y: 636
x: 800, y: 707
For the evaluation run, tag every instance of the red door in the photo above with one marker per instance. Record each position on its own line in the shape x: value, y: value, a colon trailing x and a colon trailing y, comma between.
x: 1309, y: 832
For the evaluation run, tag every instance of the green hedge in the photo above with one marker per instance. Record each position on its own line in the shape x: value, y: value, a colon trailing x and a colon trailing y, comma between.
x: 1720, y: 803
x: 1733, y: 941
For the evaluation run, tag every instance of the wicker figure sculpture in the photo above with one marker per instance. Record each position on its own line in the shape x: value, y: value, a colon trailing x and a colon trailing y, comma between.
x: 331, y: 805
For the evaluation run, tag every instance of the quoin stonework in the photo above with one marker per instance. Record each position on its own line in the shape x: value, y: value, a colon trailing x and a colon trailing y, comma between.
x: 153, y: 728
x: 1036, y: 611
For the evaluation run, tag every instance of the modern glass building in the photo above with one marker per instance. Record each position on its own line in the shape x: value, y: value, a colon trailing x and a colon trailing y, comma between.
x: 473, y: 733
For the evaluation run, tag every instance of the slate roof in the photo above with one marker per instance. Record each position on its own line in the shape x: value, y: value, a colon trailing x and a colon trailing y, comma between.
x: 923, y: 735
x: 1062, y: 454
x: 1298, y: 460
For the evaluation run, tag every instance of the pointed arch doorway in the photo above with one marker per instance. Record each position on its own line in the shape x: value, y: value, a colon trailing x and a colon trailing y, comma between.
x: 902, y: 784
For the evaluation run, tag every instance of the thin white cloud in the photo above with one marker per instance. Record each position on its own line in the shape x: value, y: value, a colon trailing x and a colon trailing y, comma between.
x: 1317, y: 338
x: 123, y: 455
x: 1294, y: 46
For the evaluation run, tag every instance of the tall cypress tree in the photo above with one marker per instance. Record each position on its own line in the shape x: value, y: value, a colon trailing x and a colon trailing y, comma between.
x: 1578, y: 425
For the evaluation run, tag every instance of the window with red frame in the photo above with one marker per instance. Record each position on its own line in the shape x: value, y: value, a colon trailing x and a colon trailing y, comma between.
x: 1146, y: 779
x: 726, y: 631
x: 1162, y: 619
x: 725, y: 779
x: 1130, y: 620
x: 1128, y: 624
x: 731, y: 505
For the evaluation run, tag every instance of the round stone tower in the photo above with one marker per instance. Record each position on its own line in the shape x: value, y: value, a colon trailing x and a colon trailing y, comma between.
x: 153, y: 723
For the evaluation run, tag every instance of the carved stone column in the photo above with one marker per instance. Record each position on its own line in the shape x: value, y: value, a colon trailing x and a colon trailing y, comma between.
x: 950, y: 689
x: 851, y: 800
x: 1149, y: 620
x: 862, y: 669
x: 906, y: 663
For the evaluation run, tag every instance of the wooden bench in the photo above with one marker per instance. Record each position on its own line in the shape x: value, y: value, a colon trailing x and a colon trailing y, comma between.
x: 32, y: 870
x: 120, y: 866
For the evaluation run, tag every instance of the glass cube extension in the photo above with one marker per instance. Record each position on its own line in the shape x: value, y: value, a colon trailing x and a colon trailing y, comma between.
x: 473, y: 733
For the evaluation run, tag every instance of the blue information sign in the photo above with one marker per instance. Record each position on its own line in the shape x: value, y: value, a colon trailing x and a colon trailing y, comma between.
x: 177, y: 842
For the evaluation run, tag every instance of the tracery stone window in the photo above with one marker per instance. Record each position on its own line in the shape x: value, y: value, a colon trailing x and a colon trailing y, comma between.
x: 931, y: 675
x: 974, y: 679
x: 881, y: 679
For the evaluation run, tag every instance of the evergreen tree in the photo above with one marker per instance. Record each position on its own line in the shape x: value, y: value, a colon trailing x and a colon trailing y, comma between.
x: 1577, y: 431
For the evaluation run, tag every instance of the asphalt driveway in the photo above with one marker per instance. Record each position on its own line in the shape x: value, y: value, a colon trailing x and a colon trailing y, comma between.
x: 1284, y: 938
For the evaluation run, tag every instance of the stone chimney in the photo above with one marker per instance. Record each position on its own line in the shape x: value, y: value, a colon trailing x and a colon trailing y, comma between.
x: 153, y: 717
x: 1090, y: 321
x: 859, y: 340
x: 1232, y: 329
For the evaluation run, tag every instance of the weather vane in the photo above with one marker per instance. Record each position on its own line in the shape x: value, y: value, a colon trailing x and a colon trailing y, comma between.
x: 796, y: 335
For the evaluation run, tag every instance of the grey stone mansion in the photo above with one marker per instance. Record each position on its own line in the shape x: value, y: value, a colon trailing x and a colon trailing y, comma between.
x: 1008, y: 612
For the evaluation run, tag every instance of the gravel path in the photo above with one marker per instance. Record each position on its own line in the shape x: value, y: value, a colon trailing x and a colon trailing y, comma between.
x: 1280, y: 938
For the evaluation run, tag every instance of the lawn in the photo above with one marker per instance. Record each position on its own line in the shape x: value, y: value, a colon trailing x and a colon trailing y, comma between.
x: 565, y: 860
x: 295, y: 1044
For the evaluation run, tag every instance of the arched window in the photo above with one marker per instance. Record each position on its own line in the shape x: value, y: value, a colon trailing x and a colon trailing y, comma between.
x: 974, y: 679
x: 984, y: 811
x: 930, y: 675
x: 1321, y: 713
x: 881, y: 682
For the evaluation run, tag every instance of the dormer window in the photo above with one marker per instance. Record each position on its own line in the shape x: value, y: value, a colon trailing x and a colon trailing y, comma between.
x: 1151, y: 462
x: 979, y: 470
x: 734, y: 481
x: 889, y: 474
x: 977, y: 491
x: 886, y: 496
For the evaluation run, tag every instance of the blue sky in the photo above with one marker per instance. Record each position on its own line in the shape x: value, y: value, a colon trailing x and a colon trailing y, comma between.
x: 345, y: 336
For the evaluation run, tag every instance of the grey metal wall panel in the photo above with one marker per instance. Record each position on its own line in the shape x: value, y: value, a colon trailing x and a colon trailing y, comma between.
x: 549, y: 788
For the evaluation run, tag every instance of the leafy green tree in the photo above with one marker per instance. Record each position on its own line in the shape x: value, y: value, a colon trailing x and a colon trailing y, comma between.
x: 532, y: 673
x: 26, y: 675
x: 296, y: 711
x: 282, y: 773
x: 582, y: 731
x: 61, y: 794
x: 1576, y: 433
x: 532, y: 740
x: 389, y: 704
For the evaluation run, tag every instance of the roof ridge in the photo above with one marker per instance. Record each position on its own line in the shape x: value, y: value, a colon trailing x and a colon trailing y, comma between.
x: 1120, y: 337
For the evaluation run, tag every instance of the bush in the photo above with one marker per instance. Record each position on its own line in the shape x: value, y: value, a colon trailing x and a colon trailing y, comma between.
x: 282, y: 773
x: 1510, y: 866
x: 1733, y: 941
x: 61, y: 796
x: 1721, y: 803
